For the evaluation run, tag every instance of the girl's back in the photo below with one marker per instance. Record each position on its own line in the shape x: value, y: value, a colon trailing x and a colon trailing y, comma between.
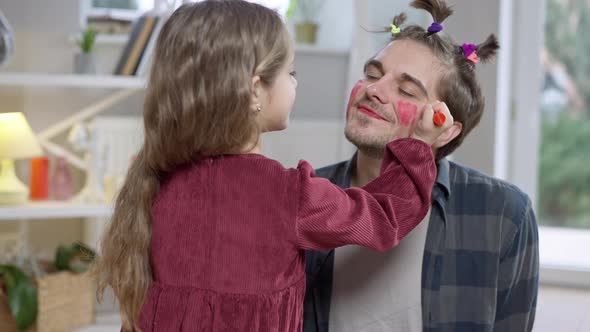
x: 224, y: 248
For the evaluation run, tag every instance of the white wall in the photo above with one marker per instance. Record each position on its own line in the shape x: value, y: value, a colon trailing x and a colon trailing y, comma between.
x: 472, y: 22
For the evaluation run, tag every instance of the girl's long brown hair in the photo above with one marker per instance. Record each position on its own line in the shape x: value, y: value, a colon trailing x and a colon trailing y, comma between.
x: 198, y: 104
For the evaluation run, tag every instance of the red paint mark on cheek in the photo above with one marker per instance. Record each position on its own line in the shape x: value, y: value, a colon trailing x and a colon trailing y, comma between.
x: 353, y: 94
x: 406, y: 113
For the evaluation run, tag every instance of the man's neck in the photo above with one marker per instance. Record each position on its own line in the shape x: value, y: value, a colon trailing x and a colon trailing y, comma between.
x: 367, y: 169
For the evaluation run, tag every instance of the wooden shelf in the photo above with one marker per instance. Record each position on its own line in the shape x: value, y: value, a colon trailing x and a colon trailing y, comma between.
x: 54, y: 210
x: 71, y: 80
x: 104, y: 39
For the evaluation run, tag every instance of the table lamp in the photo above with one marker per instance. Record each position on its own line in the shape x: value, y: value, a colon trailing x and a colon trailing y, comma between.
x: 17, y: 141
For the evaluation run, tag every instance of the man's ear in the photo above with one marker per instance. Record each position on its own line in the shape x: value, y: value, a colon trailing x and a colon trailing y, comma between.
x: 448, y: 135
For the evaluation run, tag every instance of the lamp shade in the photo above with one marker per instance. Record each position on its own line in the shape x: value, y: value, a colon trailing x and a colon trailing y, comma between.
x: 17, y: 140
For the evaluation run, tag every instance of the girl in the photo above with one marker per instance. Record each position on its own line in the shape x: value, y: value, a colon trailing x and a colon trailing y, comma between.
x: 209, y: 235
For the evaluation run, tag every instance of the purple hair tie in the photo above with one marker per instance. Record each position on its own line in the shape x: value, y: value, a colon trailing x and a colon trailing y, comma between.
x: 435, y: 27
x: 469, y: 53
x: 468, y: 49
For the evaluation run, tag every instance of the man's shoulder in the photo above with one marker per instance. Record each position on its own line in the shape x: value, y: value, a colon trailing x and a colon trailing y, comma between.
x: 334, y: 171
x: 468, y: 184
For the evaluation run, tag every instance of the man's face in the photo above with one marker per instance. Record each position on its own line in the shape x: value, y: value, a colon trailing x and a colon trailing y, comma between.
x: 399, y: 81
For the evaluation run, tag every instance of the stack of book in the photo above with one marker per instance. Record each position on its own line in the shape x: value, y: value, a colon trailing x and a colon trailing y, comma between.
x: 136, y: 56
x: 109, y: 25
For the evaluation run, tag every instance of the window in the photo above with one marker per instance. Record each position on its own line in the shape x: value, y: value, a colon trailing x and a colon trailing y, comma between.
x: 118, y: 9
x: 551, y: 119
x: 123, y: 4
x: 564, y: 159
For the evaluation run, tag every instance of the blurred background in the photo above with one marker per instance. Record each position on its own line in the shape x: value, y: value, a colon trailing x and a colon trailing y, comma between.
x: 80, y: 91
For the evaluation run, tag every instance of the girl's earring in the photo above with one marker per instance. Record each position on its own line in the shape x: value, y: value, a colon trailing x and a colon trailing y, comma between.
x: 258, y: 109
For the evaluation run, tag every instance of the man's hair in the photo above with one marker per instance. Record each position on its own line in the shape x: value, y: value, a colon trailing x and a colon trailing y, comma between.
x: 458, y: 86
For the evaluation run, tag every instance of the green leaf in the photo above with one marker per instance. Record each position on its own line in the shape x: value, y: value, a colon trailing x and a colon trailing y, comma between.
x: 23, y: 303
x: 22, y: 296
x: 75, y: 258
x: 63, y: 256
x: 87, y: 40
x: 291, y: 9
x: 84, y: 252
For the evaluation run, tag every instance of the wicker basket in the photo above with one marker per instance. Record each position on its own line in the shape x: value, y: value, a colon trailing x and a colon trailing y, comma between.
x: 66, y: 302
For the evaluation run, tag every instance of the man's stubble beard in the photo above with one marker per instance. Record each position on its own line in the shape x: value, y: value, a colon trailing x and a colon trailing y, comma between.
x: 371, y: 146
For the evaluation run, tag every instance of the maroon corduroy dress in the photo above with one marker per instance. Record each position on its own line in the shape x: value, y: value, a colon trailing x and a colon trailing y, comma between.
x: 229, y: 235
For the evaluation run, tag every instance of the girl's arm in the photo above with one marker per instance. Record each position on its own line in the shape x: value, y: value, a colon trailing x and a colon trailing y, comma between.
x: 376, y: 216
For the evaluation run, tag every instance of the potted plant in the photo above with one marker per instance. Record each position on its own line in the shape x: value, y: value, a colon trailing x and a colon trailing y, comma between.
x: 58, y: 298
x: 84, y: 61
x: 308, y: 10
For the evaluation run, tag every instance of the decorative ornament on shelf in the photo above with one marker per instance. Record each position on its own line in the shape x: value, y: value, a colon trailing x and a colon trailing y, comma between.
x: 17, y: 141
x: 307, y: 12
x: 85, y: 61
x: 80, y: 138
x: 39, y: 179
x: 62, y: 185
x: 6, y: 40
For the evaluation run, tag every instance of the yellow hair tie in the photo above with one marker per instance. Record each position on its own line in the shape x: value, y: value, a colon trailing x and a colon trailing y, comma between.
x: 394, y: 29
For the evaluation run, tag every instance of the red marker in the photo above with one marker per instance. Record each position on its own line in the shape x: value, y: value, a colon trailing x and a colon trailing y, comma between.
x: 439, y: 119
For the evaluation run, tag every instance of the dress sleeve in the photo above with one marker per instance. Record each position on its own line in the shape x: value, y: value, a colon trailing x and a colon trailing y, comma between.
x: 376, y: 216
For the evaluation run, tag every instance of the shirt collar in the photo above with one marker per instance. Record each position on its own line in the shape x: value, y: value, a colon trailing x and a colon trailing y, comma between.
x: 441, y: 185
x: 443, y: 180
x: 345, y: 180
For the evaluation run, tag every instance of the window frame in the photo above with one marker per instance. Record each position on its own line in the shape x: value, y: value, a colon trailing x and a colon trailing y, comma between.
x: 88, y: 10
x: 556, y: 263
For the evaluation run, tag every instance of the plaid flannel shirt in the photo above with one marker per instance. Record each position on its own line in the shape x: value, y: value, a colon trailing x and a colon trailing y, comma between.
x: 480, y: 268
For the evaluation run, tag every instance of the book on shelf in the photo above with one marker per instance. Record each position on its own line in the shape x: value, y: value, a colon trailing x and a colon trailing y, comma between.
x: 136, y: 49
x: 146, y: 59
x: 108, y: 25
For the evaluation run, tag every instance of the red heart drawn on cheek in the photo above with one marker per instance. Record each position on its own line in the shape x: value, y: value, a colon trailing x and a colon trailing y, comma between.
x: 406, y: 112
x: 353, y: 94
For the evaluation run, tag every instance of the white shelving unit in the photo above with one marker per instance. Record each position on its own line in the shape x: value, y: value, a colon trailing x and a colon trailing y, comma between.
x: 120, y: 40
x: 71, y: 80
x: 54, y: 210
x: 122, y: 87
x: 103, y: 39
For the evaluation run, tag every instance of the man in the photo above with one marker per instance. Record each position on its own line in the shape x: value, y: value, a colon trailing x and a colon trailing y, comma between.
x: 472, y: 265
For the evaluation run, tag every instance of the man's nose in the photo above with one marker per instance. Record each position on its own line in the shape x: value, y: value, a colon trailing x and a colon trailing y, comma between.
x: 376, y: 91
